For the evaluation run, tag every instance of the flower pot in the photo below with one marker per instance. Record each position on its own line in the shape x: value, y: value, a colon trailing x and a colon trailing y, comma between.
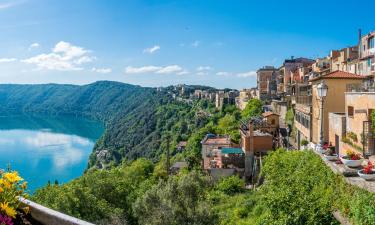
x: 365, y: 176
x: 351, y: 163
x: 333, y: 157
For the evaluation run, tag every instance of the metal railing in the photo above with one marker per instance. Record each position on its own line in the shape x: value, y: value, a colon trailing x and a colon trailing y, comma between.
x: 364, y: 87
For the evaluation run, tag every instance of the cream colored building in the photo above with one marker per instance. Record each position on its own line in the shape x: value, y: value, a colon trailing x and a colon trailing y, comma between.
x: 341, y: 58
x: 366, y: 64
x: 337, y: 83
x: 357, y: 123
x: 244, y: 96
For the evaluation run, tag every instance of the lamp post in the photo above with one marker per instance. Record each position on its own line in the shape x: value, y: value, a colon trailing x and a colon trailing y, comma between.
x: 322, y: 93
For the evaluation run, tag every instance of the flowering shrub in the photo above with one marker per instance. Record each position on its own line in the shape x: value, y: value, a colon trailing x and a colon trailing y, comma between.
x: 12, y: 186
x: 368, y: 169
x: 352, y: 155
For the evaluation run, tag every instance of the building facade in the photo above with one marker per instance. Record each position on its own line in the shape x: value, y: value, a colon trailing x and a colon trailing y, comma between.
x: 266, y: 82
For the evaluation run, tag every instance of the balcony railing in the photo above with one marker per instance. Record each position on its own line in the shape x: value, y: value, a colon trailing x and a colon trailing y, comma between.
x: 364, y: 87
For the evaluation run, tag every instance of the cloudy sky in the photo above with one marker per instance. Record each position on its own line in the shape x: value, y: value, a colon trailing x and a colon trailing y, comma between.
x: 157, y: 43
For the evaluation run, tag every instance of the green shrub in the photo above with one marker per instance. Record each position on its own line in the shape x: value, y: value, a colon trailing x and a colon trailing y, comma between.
x: 231, y: 185
x: 298, y: 189
x: 304, y: 142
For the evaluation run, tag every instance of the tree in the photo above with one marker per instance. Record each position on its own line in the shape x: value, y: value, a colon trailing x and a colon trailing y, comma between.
x: 180, y: 200
x: 253, y: 108
x: 231, y: 185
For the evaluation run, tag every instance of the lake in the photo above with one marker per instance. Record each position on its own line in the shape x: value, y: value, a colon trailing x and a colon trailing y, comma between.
x: 46, y: 149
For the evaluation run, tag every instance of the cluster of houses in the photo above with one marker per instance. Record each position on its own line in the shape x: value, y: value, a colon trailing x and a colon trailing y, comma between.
x: 221, y: 157
x: 343, y: 117
x: 187, y: 93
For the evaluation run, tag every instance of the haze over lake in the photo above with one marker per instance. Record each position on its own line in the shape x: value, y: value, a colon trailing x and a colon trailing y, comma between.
x: 45, y: 148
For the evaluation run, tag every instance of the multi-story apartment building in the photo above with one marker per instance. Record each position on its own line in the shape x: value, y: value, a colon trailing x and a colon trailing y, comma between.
x: 289, y: 69
x: 337, y: 83
x: 366, y: 63
x: 266, y: 82
x: 307, y: 108
x: 222, y: 98
x: 340, y: 59
x: 321, y: 66
x: 353, y: 128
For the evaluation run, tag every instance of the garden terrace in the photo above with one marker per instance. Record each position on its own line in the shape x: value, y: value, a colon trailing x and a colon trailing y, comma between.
x: 350, y: 174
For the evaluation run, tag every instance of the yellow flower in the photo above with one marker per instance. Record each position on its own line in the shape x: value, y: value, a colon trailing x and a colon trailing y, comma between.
x: 1, y: 189
x: 8, y: 210
x: 12, y: 177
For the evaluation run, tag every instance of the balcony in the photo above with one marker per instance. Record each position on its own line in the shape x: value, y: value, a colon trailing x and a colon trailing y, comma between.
x: 367, y: 86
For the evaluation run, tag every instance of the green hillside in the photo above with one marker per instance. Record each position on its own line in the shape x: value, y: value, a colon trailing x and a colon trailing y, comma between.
x: 136, y: 118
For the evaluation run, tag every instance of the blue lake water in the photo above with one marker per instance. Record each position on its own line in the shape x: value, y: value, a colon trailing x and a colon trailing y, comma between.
x: 46, y: 149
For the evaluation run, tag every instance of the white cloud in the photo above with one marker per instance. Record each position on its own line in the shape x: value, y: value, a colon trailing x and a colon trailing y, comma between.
x: 195, y: 44
x: 64, y: 57
x: 7, y: 60
x: 223, y: 73
x: 143, y: 69
x: 152, y: 49
x: 183, y: 72
x: 34, y: 45
x: 6, y: 5
x: 170, y: 69
x: 202, y: 73
x: 102, y: 70
x: 154, y: 69
x: 247, y: 74
x: 204, y: 68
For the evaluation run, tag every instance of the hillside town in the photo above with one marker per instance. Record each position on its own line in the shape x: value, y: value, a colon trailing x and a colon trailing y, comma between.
x: 325, y: 104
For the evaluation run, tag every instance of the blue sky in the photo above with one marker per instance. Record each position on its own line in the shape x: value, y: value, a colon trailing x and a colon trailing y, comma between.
x: 158, y: 43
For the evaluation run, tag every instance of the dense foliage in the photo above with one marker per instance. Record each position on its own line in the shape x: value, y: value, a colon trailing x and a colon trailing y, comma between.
x: 179, y: 200
x: 138, y: 120
x: 253, y: 108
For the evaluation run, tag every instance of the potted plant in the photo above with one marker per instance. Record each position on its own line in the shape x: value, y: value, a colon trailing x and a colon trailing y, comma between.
x: 304, y: 143
x: 352, y: 159
x: 367, y: 172
x: 330, y: 154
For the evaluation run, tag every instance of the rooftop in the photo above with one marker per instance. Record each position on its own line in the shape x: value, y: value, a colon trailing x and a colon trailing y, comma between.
x: 216, y: 140
x: 265, y: 114
x: 231, y: 151
x: 260, y: 133
x: 339, y: 75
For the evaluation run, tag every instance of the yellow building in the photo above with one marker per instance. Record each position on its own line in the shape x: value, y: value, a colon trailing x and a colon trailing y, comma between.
x: 337, y: 83
x: 354, y: 132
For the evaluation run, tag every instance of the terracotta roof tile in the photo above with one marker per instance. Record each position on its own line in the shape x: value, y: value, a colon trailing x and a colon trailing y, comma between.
x: 339, y: 75
x: 265, y: 114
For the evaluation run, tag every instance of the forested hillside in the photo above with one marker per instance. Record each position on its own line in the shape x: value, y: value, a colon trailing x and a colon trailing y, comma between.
x: 136, y: 118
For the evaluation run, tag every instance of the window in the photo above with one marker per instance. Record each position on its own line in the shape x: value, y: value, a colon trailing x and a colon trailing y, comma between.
x: 350, y: 111
x: 369, y: 62
x: 371, y: 42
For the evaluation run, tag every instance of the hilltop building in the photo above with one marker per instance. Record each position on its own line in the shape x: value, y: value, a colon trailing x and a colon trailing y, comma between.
x: 266, y: 82
x: 307, y: 108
